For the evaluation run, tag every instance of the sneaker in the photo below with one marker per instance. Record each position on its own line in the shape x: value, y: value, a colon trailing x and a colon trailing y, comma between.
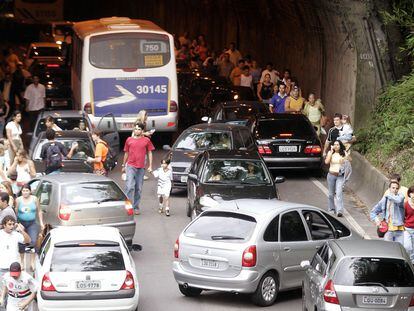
x: 167, y: 211
x: 160, y: 210
x: 137, y: 212
x: 146, y: 177
x: 339, y: 214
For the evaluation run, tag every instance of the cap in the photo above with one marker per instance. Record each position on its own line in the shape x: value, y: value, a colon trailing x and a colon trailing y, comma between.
x: 15, y: 269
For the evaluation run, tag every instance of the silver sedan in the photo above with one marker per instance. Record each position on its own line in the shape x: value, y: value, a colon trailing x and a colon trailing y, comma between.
x: 252, y: 246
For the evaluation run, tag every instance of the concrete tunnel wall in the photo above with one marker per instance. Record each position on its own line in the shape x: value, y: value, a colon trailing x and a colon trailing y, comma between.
x: 327, y: 44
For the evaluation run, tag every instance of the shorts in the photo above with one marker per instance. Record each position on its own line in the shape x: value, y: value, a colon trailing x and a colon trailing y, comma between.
x: 32, y: 229
x: 164, y: 196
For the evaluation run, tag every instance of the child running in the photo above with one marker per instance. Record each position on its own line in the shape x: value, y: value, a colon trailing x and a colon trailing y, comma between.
x: 164, y: 175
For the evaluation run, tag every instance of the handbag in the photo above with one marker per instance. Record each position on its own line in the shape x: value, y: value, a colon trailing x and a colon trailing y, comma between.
x: 382, y: 229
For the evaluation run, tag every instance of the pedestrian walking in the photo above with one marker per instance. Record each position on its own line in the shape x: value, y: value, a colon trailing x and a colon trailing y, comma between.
x: 336, y: 177
x: 333, y: 132
x: 294, y: 103
x: 265, y: 89
x: 277, y: 102
x: 23, y: 168
x: 409, y: 223
x: 403, y: 190
x: 101, y: 152
x: 14, y: 132
x: 20, y: 287
x: 314, y: 111
x: 164, y: 175
x: 35, y: 95
x: 389, y: 214
x: 136, y: 148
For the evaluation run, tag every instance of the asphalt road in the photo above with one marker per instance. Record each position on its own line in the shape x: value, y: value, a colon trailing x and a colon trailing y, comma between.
x: 157, y: 234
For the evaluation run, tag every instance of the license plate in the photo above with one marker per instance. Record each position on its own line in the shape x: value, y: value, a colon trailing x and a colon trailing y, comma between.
x: 288, y: 148
x: 209, y: 263
x: 374, y: 300
x: 184, y: 179
x: 88, y: 285
x: 126, y: 125
x: 57, y: 103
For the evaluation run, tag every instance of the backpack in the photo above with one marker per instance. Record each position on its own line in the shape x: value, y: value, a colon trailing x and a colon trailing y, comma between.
x: 110, y: 160
x: 54, y: 156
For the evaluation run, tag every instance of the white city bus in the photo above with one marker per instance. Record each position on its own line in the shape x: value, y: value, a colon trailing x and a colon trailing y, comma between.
x: 121, y: 66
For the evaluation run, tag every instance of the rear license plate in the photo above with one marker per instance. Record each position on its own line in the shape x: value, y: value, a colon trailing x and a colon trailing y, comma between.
x: 88, y: 285
x: 288, y: 148
x: 209, y: 263
x: 184, y: 179
x: 374, y: 300
x: 126, y: 125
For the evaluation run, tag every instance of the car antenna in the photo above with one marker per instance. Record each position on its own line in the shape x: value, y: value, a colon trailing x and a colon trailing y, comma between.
x: 237, y: 206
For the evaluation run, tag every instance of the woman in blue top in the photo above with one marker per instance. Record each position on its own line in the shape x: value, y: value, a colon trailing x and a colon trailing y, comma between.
x: 28, y: 214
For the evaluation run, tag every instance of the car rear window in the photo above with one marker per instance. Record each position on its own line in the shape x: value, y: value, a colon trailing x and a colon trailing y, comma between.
x: 364, y: 271
x: 84, y: 150
x: 271, y: 129
x: 87, y: 258
x: 204, y: 140
x: 222, y: 226
x: 45, y: 52
x: 65, y: 124
x: 88, y: 192
x: 243, y: 112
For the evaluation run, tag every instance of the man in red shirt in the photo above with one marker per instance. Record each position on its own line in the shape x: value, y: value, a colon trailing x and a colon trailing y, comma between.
x: 136, y: 148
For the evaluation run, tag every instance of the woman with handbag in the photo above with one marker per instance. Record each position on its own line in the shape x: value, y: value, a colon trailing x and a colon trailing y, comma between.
x: 389, y: 215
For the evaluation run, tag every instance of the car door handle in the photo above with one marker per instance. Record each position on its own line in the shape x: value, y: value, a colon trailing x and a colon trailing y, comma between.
x: 286, y: 249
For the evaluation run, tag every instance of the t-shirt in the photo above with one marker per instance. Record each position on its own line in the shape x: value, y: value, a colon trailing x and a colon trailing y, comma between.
x: 409, y: 215
x: 137, y: 148
x: 16, y: 129
x: 246, y: 81
x: 19, y: 289
x: 101, y: 150
x: 164, y: 181
x: 296, y: 104
x: 36, y: 97
x: 8, y: 211
x: 278, y: 103
x: 43, y: 154
x: 9, y: 249
x: 333, y: 133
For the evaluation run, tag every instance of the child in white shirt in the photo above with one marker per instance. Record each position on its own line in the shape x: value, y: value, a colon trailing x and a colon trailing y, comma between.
x: 345, y: 135
x: 164, y: 175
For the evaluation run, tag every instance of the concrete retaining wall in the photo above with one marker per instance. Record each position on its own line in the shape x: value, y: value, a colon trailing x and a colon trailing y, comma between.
x: 366, y: 181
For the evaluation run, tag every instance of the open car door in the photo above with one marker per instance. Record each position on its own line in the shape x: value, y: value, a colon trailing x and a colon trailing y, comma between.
x: 107, y: 126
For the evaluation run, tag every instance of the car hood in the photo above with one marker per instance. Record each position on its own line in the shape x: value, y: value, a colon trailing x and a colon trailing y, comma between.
x: 183, y: 156
x: 225, y: 192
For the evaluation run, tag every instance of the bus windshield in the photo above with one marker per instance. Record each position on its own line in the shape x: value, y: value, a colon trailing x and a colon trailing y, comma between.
x: 129, y: 50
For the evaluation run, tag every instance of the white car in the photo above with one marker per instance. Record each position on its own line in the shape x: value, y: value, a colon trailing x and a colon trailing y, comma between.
x: 86, y: 268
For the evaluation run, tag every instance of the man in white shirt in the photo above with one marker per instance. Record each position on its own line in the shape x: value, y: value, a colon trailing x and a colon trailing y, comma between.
x: 35, y: 95
x: 274, y: 75
x: 246, y: 78
x: 235, y: 54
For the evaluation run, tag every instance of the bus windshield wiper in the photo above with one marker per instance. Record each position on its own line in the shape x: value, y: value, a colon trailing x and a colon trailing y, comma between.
x: 372, y: 283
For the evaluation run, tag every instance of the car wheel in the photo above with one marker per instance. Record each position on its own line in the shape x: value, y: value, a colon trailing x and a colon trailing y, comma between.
x: 267, y: 290
x: 188, y: 209
x: 190, y: 291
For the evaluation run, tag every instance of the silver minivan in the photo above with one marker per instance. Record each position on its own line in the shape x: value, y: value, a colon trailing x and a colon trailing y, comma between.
x: 75, y: 199
x: 359, y: 275
x: 252, y: 246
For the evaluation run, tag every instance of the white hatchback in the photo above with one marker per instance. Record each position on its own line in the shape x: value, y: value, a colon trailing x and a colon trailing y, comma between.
x: 86, y: 268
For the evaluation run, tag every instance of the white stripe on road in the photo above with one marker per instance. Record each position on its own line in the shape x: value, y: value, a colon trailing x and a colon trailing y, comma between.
x: 347, y: 216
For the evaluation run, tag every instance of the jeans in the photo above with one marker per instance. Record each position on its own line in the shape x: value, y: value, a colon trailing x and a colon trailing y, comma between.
x: 134, y: 181
x: 395, y: 236
x: 409, y: 242
x: 335, y: 187
x: 32, y: 229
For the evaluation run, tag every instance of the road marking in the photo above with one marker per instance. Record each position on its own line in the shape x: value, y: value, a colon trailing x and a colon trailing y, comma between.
x: 347, y: 216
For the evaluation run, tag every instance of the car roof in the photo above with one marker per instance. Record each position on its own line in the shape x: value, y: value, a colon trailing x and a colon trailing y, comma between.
x: 82, y: 233
x: 67, y: 134
x: 232, y: 154
x: 67, y: 178
x: 258, y: 208
x: 202, y: 127
x: 281, y: 116
x: 46, y: 44
x: 63, y: 114
x: 367, y: 248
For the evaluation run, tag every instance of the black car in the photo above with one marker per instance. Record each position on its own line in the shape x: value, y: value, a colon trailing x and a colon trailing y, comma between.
x: 288, y: 141
x: 228, y: 175
x: 201, y: 137
x: 238, y: 112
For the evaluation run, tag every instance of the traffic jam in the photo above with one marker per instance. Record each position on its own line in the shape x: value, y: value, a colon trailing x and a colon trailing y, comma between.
x: 104, y: 105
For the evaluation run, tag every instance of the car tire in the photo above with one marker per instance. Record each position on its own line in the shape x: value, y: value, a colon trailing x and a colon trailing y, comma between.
x: 190, y: 291
x: 267, y: 290
x: 188, y: 209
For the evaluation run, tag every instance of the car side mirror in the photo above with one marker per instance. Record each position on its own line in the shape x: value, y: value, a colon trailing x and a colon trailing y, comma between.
x: 192, y: 177
x: 166, y: 147
x: 305, y: 264
x: 135, y: 247
x: 279, y: 179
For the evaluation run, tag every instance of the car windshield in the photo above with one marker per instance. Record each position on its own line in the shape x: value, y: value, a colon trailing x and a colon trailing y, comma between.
x: 87, y: 258
x: 243, y: 112
x: 235, y: 172
x: 204, y: 140
x: 85, y: 148
x: 366, y: 271
x: 272, y: 129
x: 88, y: 192
x: 65, y: 124
x: 44, y: 51
x: 222, y: 226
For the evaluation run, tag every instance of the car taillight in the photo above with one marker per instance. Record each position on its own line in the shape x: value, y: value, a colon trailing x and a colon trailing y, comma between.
x: 129, y: 281
x: 129, y: 208
x: 329, y: 293
x: 264, y: 149
x: 52, y: 65
x: 173, y: 106
x: 313, y: 149
x: 88, y: 108
x: 47, y: 285
x: 64, y: 212
x: 249, y: 256
x: 177, y: 248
